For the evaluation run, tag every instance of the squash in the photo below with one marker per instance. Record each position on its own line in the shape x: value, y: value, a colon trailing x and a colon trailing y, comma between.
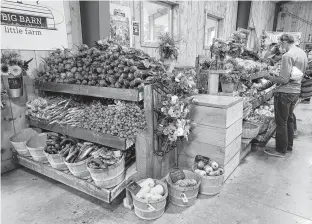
x: 148, y: 182
x: 214, y: 165
x: 200, y: 172
x: 208, y: 169
x: 143, y: 191
x: 158, y: 189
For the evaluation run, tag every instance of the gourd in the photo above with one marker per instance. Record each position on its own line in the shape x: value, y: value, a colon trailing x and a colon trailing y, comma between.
x: 214, y: 165
x: 143, y: 191
x: 200, y: 172
x: 158, y: 189
x: 208, y: 169
x: 148, y: 182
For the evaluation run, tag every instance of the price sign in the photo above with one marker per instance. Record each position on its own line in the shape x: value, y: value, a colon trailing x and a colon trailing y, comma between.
x: 205, y: 159
x: 176, y: 174
x: 133, y: 187
x: 15, y: 83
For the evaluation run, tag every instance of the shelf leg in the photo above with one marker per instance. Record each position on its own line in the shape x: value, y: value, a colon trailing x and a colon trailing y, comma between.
x: 128, y: 201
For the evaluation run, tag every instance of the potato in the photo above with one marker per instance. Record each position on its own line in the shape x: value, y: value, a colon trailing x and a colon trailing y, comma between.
x: 208, y: 169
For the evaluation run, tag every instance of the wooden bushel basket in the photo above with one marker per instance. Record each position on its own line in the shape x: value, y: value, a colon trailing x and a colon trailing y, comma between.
x: 183, y: 196
x: 210, y: 185
x: 149, y: 210
x: 19, y: 140
x: 110, y: 177
x: 79, y: 169
x: 36, y: 145
x: 56, y: 161
x: 250, y: 130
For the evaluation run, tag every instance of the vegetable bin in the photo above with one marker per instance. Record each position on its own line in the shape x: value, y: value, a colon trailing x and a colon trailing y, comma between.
x: 36, y: 145
x: 148, y: 209
x: 110, y: 177
x: 19, y: 140
x: 183, y: 196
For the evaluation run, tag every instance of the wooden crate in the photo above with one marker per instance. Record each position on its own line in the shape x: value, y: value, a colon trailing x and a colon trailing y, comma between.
x: 216, y: 136
x: 217, y: 111
x: 220, y: 154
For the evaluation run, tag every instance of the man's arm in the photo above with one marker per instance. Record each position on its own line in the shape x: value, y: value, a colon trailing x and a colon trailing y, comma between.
x: 285, y: 72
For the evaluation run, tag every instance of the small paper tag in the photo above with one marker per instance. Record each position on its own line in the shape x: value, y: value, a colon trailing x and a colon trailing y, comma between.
x: 150, y: 207
x: 184, y: 198
x: 133, y: 187
x: 205, y: 159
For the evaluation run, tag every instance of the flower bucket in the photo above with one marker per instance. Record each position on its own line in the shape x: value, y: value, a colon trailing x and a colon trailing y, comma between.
x: 228, y: 87
x: 13, y: 85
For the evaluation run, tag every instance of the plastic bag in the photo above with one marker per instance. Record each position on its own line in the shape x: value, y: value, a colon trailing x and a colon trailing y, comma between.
x: 296, y: 74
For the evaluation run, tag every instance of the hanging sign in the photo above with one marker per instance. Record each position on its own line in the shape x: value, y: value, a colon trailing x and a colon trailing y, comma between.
x: 33, y: 25
x: 120, y: 29
x: 136, y: 28
x: 273, y: 37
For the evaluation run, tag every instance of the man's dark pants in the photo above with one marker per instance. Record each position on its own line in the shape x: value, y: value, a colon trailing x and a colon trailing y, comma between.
x: 284, y: 105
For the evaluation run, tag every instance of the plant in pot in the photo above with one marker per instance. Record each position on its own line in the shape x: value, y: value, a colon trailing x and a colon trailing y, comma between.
x: 168, y: 50
x: 229, y: 81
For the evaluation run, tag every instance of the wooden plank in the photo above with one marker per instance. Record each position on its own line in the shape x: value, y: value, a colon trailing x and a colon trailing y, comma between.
x: 80, y: 133
x: 68, y: 179
x: 231, y: 166
x: 8, y: 165
x: 223, y: 102
x: 264, y: 98
x: 131, y: 174
x: 107, y: 92
x: 244, y: 152
x: 216, y: 136
x: 261, y: 140
x: 75, y: 19
x: 220, y: 154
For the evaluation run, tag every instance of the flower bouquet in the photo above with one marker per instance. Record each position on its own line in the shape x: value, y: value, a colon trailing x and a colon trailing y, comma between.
x: 12, y: 71
x: 168, y: 50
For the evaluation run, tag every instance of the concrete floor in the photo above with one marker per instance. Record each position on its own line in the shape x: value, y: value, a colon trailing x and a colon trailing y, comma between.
x: 261, y: 190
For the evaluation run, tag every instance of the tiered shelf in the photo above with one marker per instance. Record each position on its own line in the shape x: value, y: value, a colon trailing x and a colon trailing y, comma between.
x: 106, y: 92
x: 81, y: 133
x: 87, y: 186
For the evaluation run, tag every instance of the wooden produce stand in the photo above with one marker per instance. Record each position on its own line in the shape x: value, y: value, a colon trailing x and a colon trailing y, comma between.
x: 145, y: 164
x: 217, y: 132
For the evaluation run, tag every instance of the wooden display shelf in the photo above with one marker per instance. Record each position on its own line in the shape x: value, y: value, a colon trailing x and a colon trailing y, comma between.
x: 65, y: 177
x: 261, y: 140
x: 268, y: 94
x: 81, y: 133
x: 106, y: 92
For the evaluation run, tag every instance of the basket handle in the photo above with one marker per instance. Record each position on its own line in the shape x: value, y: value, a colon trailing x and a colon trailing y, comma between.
x: 150, y: 207
x: 184, y: 198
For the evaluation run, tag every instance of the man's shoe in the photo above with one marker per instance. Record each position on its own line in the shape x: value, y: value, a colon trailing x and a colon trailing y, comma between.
x: 273, y: 152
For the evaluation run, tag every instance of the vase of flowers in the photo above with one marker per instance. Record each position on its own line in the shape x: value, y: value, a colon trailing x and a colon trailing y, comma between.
x: 229, y: 82
x: 12, y: 71
x: 168, y: 50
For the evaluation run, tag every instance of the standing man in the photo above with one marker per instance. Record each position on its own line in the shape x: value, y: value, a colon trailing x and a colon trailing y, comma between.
x: 286, y: 95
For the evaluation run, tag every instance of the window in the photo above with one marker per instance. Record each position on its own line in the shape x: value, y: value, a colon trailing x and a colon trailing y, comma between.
x: 212, y: 29
x: 156, y: 18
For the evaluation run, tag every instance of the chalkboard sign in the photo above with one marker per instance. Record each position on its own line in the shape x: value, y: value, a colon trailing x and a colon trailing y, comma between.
x: 15, y: 83
x: 205, y: 159
x: 176, y: 174
x: 133, y: 187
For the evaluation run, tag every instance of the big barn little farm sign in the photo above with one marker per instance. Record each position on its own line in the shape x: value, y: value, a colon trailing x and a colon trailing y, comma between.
x: 33, y: 25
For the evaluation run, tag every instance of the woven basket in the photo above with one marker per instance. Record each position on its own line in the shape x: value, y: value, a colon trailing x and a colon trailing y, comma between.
x: 19, y: 140
x: 250, y: 130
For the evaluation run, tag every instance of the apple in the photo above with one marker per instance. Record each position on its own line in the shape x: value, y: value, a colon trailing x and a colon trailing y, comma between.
x: 200, y: 165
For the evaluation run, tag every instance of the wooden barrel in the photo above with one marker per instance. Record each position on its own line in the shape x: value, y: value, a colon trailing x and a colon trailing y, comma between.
x: 19, y: 140
x: 36, y: 145
x: 79, y: 169
x: 149, y: 210
x: 56, y: 161
x: 110, y: 177
x: 183, y: 196
x: 211, y: 185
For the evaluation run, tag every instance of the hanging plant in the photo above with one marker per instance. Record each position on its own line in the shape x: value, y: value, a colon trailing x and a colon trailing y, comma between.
x: 167, y: 47
x: 218, y: 49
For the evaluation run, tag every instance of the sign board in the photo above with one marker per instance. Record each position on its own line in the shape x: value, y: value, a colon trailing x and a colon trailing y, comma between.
x: 136, y: 28
x: 120, y: 28
x: 273, y: 37
x: 33, y: 25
